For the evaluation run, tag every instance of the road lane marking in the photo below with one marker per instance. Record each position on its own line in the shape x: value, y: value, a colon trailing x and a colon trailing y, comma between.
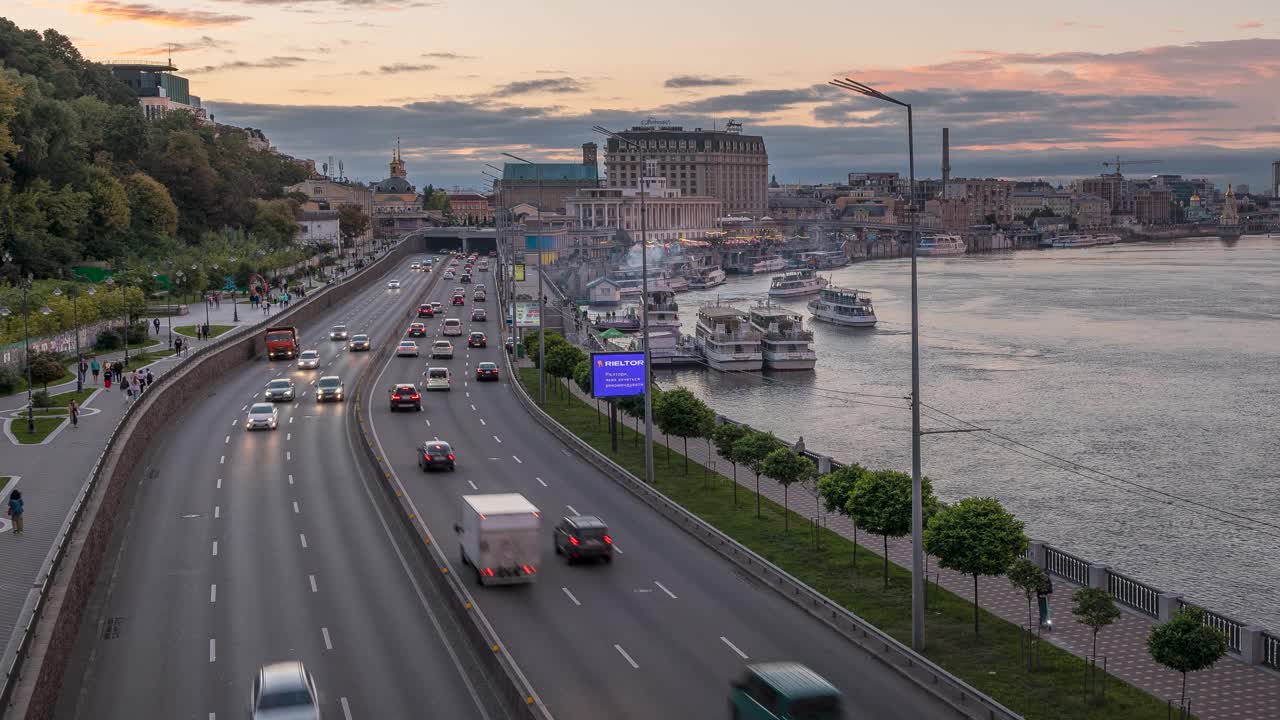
x: 222, y: 460
x: 288, y: 436
x: 219, y: 484
x: 312, y: 578
x: 571, y: 597
x: 291, y: 479
x: 346, y: 709
x: 473, y: 485
x: 733, y: 647
x: 328, y: 644
x: 288, y: 455
x: 295, y: 507
x: 235, y: 422
x: 495, y: 437
x: 290, y: 419
x: 517, y: 459
x: 213, y: 650
x: 625, y: 656
x: 482, y: 422
x: 473, y: 409
x: 217, y: 510
x: 215, y: 548
x: 213, y: 593
x: 246, y: 407
x: 303, y: 538
x: 541, y: 481
x: 428, y: 423
x: 617, y: 549
x: 575, y: 512
x: 224, y: 442
x: 663, y: 588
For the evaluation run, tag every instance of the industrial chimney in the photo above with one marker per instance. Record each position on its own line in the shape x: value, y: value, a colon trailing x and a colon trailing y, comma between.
x: 946, y: 160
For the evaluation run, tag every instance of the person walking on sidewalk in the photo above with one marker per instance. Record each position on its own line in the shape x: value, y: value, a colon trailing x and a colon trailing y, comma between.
x: 83, y: 369
x: 73, y: 410
x: 177, y: 346
x: 156, y: 324
x: 150, y: 378
x: 95, y: 367
x: 16, y: 509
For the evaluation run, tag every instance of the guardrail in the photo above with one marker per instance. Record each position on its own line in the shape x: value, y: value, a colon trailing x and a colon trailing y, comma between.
x: 1067, y: 565
x: 1137, y: 595
x: 1229, y: 626
x: 1271, y: 651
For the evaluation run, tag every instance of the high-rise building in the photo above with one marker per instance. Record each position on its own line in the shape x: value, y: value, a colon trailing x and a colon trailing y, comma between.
x: 158, y: 89
x: 986, y: 199
x: 723, y: 164
x: 1275, y: 179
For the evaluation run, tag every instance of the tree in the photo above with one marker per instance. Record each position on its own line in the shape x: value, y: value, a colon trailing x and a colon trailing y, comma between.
x: 108, y: 212
x: 353, y: 223
x: 835, y: 488
x: 562, y: 359
x: 45, y: 368
x: 582, y: 375
x: 976, y: 536
x: 153, y: 216
x: 274, y: 221
x: 751, y: 450
x: 1031, y: 579
x: 787, y: 467
x: 1186, y: 644
x: 880, y: 502
x: 685, y: 415
x: 724, y: 437
x: 1096, y: 608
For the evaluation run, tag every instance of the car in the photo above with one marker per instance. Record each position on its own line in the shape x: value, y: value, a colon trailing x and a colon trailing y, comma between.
x: 425, y: 310
x: 480, y: 286
x: 478, y: 296
x: 772, y: 690
x: 278, y: 390
x: 284, y: 691
x: 486, y: 371
x: 442, y: 349
x: 415, y: 265
x: 338, y: 332
x: 459, y: 299
x: 459, y: 290
x: 329, y: 387
x: 580, y: 537
x: 437, y: 306
x: 466, y: 277
x: 436, y: 454
x: 308, y: 360
x: 479, y: 315
x: 393, y: 284
x: 261, y: 415
x: 452, y: 326
x: 484, y: 267
x: 417, y: 329
x: 439, y: 378
x: 407, y: 348
x: 449, y: 275
x: 358, y: 342
x: 477, y: 340
x: 405, y: 395
x: 510, y: 344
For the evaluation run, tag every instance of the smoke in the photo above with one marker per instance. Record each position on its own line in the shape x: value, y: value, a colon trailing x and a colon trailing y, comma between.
x: 633, y: 259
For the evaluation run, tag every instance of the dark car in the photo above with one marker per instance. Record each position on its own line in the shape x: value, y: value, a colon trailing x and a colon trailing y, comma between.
x: 477, y: 340
x: 405, y: 395
x: 425, y: 311
x: 466, y: 277
x: 278, y: 390
x: 479, y: 315
x: 417, y: 330
x: 358, y: 343
x: 329, y: 387
x: 486, y: 371
x: 583, y: 536
x: 435, y: 454
x: 459, y: 300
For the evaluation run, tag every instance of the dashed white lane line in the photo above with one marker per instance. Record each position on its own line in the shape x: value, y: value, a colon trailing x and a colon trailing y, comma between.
x: 290, y: 419
x: 617, y: 549
x: 217, y: 511
x: 473, y: 485
x: 346, y: 709
x: 663, y: 588
x: 222, y: 460
x: 215, y: 548
x: 288, y: 455
x: 328, y: 644
x: 733, y: 647
x: 517, y: 459
x: 288, y: 436
x: 575, y: 512
x: 312, y: 578
x: 295, y: 507
x: 224, y: 442
x: 246, y: 407
x: 235, y: 422
x: 213, y: 650
x: 495, y: 437
x: 571, y: 597
x: 473, y: 408
x: 482, y: 422
x: 213, y: 593
x: 626, y: 657
x: 541, y: 482
x: 219, y: 484
x: 303, y: 538
x: 428, y: 422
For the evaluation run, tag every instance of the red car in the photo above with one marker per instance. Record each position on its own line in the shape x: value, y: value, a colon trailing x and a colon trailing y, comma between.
x: 425, y: 311
x: 459, y: 300
x: 477, y: 340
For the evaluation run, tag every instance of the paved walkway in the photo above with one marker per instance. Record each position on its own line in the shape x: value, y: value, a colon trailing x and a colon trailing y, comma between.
x: 1230, y: 690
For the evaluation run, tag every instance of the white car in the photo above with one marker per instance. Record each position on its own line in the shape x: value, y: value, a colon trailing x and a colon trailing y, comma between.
x: 407, y: 348
x: 284, y: 691
x: 448, y: 275
x: 393, y: 284
x: 439, y: 378
x: 262, y: 415
x: 308, y: 360
x: 338, y: 332
x: 442, y: 349
x: 452, y: 326
x: 414, y: 265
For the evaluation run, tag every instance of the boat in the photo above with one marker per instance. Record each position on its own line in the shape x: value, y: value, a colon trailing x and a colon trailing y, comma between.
x: 707, y: 278
x: 1075, y: 241
x: 726, y: 340
x: 935, y: 245
x: 1107, y: 239
x: 842, y: 306
x: 824, y: 259
x: 785, y: 343
x: 767, y: 264
x: 797, y: 282
x: 663, y: 311
x: 677, y: 283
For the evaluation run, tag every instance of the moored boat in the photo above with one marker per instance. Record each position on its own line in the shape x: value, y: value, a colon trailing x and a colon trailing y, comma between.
x: 938, y: 245
x: 841, y: 306
x: 796, y: 282
x: 707, y: 278
x: 726, y: 340
x: 785, y: 343
x: 767, y: 264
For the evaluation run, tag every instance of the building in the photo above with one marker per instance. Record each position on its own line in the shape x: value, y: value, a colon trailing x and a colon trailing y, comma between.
x: 395, y: 193
x: 671, y: 215
x: 791, y: 207
x: 724, y: 164
x: 1025, y: 203
x: 328, y: 194
x: 1151, y: 204
x: 1115, y: 189
x: 987, y: 200
x: 1090, y: 211
x: 317, y: 227
x: 470, y: 208
x: 1275, y: 179
x: 545, y: 186
x: 158, y: 89
x: 1180, y: 188
x: 879, y: 183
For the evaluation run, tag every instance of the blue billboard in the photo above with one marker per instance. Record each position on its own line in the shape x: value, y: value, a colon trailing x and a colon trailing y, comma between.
x: 617, y: 374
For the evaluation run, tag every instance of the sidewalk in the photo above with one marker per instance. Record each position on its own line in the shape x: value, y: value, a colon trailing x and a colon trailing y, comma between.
x: 1230, y: 690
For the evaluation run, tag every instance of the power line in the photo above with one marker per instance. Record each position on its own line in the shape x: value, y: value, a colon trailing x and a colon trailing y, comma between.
x: 815, y: 390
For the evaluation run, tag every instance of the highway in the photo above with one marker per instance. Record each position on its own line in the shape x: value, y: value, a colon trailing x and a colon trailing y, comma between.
x: 243, y: 548
x: 662, y: 630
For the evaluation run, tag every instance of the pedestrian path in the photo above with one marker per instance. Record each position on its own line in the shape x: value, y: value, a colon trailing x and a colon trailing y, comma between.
x: 1230, y: 690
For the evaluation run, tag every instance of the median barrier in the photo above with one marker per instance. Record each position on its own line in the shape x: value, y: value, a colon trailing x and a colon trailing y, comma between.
x: 47, y: 630
x: 961, y: 697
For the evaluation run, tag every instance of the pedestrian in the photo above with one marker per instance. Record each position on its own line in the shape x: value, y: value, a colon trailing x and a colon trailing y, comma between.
x: 150, y: 378
x: 1042, y: 597
x: 125, y: 390
x: 16, y: 509
x: 156, y: 323
x: 73, y: 410
x: 82, y: 369
x: 106, y: 379
x: 177, y: 346
x: 95, y: 367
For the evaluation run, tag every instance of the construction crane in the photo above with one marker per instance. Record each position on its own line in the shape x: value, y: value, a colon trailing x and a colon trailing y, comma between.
x: 1118, y: 164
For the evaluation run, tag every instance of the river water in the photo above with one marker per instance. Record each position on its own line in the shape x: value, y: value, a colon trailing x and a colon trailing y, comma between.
x: 1158, y: 364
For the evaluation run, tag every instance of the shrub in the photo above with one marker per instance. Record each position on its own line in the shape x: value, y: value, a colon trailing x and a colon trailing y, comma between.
x: 41, y: 399
x: 137, y: 333
x: 108, y: 340
x: 10, y: 380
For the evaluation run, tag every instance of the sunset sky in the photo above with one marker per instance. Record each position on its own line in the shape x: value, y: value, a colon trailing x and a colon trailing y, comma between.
x: 1029, y: 90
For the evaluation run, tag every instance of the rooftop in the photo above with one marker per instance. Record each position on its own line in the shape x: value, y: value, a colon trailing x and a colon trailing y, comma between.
x: 550, y: 172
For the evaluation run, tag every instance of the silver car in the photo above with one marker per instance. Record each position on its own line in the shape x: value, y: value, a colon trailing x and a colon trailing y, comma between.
x: 284, y: 691
x: 262, y: 415
x: 338, y: 332
x: 393, y: 284
x: 442, y: 349
x: 308, y: 360
x: 407, y: 348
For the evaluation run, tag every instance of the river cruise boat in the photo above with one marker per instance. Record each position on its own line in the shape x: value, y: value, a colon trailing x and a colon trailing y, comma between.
x: 726, y: 340
x: 1074, y: 241
x: 797, y: 282
x: 677, y: 283
x: 841, y: 306
x: 707, y: 278
x: 784, y: 341
x: 937, y: 245
x: 1108, y: 239
x: 824, y: 260
x: 663, y: 311
x: 767, y: 264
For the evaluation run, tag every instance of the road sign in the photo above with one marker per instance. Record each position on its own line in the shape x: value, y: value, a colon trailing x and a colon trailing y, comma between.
x: 519, y: 272
x: 617, y: 374
x: 527, y: 314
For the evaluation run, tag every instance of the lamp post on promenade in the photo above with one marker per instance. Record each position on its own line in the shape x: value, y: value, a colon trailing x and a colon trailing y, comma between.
x: 26, y: 342
x: 542, y: 335
x: 75, y: 322
x: 124, y: 307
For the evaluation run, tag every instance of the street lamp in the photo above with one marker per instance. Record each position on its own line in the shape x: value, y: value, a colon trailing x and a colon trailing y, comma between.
x: 644, y: 304
x: 542, y: 336
x: 917, y: 514
x: 124, y: 306
x: 235, y: 306
x: 503, y: 228
x: 75, y: 321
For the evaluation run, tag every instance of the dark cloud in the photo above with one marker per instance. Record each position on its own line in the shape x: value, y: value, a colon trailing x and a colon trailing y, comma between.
x: 1268, y: 128
x: 142, y: 12
x: 547, y: 85
x: 204, y: 42
x: 700, y: 81
x: 271, y: 63
x: 398, y: 68
x: 753, y: 101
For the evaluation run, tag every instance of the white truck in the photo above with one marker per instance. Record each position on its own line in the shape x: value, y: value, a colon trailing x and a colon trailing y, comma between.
x: 500, y: 538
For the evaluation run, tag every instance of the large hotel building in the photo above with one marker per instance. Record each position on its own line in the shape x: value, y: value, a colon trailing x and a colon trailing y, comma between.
x: 724, y: 164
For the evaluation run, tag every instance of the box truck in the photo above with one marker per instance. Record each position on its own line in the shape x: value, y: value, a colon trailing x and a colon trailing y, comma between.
x: 500, y: 538
x: 282, y: 342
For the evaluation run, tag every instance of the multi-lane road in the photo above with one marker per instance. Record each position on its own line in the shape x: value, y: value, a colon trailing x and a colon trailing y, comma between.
x: 243, y: 548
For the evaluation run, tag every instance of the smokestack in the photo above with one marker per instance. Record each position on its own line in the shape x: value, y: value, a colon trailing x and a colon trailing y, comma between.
x: 946, y: 157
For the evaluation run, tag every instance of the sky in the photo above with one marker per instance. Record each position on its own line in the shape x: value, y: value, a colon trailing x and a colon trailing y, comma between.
x: 1029, y: 90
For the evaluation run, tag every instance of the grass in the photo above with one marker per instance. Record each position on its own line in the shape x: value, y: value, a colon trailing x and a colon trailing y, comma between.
x: 190, y: 330
x: 990, y: 662
x: 44, y: 426
x: 21, y: 387
x: 4, y: 482
x: 61, y: 400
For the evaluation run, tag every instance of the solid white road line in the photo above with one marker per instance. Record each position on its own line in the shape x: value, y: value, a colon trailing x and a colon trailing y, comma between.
x: 575, y: 512
x: 303, y: 538
x: 626, y: 656
x: 328, y: 644
x: 733, y: 647
x: 295, y: 507
x: 346, y: 709
x: 517, y: 459
x: 213, y: 593
x: 213, y: 650
x: 312, y: 578
x: 571, y: 597
x: 541, y: 481
x: 663, y: 588
x: 473, y: 485
x: 215, y: 548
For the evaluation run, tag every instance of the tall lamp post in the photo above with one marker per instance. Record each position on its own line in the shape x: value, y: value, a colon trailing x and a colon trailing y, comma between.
x: 917, y: 513
x: 542, y: 336
x: 26, y: 344
x: 124, y: 306
x: 75, y: 321
x: 235, y: 306
x: 503, y: 223
x: 644, y: 302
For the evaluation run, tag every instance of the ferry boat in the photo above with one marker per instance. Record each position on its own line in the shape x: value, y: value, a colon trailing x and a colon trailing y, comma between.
x: 824, y: 259
x: 1107, y: 239
x: 767, y: 264
x: 785, y: 343
x: 935, y: 245
x: 1074, y: 241
x: 707, y: 278
x: 677, y: 283
x: 796, y: 282
x: 851, y: 308
x: 663, y: 310
x: 726, y: 339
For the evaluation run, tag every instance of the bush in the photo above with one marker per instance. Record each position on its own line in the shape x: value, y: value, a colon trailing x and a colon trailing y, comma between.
x: 137, y: 333
x: 10, y: 380
x: 41, y: 399
x: 108, y: 340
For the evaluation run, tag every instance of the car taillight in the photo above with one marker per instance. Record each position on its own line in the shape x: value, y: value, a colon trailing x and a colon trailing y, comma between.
x: 488, y: 571
x: 528, y: 569
x: 450, y: 456
x: 395, y: 397
x: 413, y: 396
x: 608, y: 540
x: 426, y: 456
x: 573, y: 541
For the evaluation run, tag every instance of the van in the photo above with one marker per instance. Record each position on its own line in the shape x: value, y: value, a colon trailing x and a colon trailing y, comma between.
x: 439, y: 378
x: 783, y: 691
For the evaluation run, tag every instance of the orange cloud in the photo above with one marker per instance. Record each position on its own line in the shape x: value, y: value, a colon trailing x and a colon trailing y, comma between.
x: 1250, y: 25
x: 110, y: 10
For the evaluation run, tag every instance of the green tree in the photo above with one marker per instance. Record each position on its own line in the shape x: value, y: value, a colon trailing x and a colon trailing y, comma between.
x: 562, y: 359
x: 1096, y: 608
x: 153, y: 215
x: 685, y: 415
x: 1186, y: 644
x: 787, y: 467
x: 108, y: 214
x: 353, y: 223
x: 274, y: 221
x: 751, y: 450
x: 1031, y: 579
x: 724, y: 436
x: 582, y: 375
x: 880, y: 503
x: 835, y: 488
x: 976, y: 536
x: 45, y: 368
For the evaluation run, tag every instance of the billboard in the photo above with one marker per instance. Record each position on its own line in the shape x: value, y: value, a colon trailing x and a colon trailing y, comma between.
x: 527, y: 314
x: 617, y: 374
x: 519, y: 272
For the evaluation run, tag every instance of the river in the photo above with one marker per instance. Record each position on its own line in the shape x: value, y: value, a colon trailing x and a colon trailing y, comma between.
x: 1156, y: 363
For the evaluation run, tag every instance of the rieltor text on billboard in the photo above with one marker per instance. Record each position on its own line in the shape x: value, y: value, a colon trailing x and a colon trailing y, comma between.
x: 617, y: 374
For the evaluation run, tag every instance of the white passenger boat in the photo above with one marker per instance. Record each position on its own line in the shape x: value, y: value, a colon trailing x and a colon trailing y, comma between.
x: 677, y: 283
x: 707, y: 278
x: 843, y: 307
x: 1107, y: 239
x: 935, y: 245
x: 767, y: 264
x: 663, y: 311
x: 1074, y: 241
x: 797, y: 282
x: 726, y: 339
x: 785, y: 343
